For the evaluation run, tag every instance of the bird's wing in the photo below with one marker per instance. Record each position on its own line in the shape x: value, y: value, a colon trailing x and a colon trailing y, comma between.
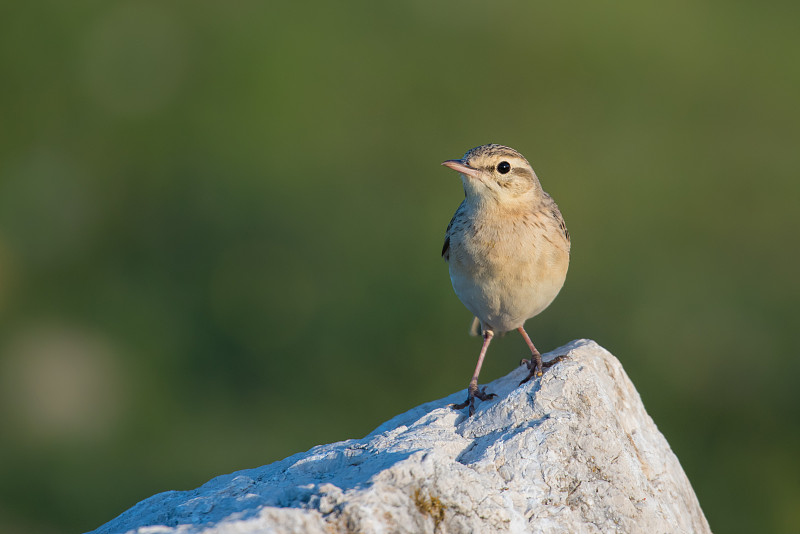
x: 446, y: 247
x: 563, y: 226
x: 559, y: 218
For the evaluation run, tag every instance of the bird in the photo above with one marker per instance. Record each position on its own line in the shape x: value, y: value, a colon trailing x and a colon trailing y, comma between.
x: 507, y: 249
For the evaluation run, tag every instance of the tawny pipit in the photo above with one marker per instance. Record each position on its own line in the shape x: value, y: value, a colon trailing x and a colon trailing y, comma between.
x: 507, y: 248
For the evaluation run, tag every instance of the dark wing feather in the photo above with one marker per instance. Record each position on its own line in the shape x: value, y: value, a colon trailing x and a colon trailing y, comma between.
x: 563, y: 227
x: 446, y: 247
x: 556, y: 213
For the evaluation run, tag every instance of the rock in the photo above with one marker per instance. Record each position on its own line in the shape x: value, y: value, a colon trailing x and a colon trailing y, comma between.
x: 574, y: 451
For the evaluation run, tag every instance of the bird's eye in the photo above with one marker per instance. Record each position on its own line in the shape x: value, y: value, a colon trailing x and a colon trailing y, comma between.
x: 503, y: 167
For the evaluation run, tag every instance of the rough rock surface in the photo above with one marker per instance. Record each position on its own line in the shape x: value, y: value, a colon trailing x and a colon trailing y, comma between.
x: 574, y: 451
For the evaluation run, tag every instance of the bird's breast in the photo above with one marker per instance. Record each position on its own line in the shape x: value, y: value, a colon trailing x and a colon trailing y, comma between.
x: 506, y: 269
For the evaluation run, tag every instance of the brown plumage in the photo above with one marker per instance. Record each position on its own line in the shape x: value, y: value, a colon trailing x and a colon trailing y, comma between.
x: 507, y: 248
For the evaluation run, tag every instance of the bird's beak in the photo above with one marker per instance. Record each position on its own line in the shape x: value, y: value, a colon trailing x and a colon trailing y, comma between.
x: 460, y: 166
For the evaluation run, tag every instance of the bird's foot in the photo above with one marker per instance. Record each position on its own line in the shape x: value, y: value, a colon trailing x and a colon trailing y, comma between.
x: 537, y: 367
x: 473, y: 393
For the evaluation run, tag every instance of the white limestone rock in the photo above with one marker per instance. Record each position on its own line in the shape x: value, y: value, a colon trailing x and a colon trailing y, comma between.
x: 574, y: 451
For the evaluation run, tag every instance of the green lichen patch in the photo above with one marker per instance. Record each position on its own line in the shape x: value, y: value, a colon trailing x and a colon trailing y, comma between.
x: 430, y: 506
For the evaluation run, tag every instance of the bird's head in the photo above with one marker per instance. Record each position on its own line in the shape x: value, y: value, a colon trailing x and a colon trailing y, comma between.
x: 496, y: 172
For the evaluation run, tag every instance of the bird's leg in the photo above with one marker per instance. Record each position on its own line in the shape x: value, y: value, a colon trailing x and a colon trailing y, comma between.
x: 472, y: 390
x: 535, y: 363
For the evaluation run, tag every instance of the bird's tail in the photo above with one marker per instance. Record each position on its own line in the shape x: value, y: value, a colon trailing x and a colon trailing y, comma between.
x: 475, y: 329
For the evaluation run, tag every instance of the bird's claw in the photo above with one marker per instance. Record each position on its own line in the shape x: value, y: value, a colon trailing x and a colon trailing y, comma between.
x: 482, y: 395
x: 537, y: 368
x: 471, y: 396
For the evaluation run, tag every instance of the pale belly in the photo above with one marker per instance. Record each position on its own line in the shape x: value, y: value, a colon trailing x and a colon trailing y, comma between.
x: 504, y: 288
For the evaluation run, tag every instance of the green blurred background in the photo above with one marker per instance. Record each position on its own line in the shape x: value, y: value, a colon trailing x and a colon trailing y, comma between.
x: 220, y: 227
